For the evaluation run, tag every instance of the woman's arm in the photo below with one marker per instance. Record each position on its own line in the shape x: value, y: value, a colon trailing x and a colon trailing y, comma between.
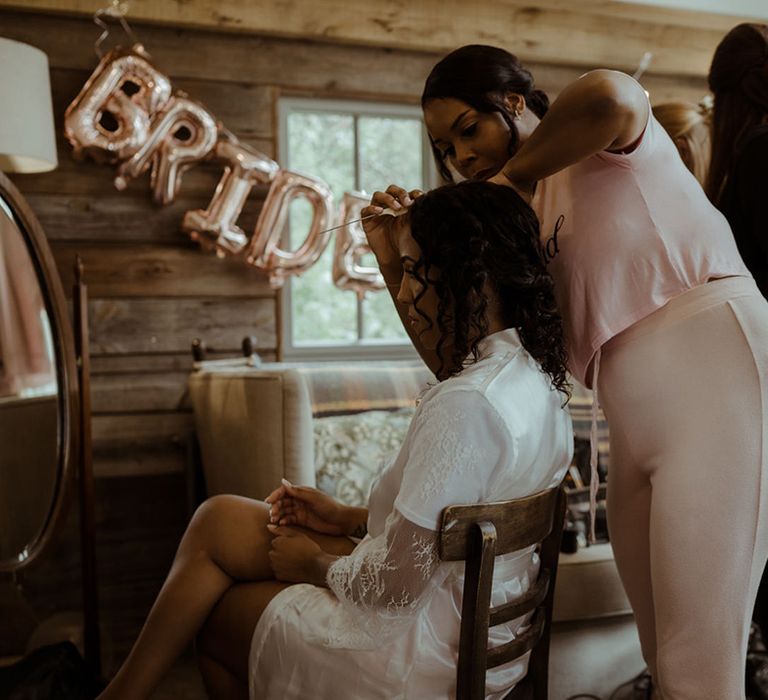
x: 295, y: 558
x: 357, y: 519
x: 602, y: 110
x: 399, y: 561
x: 389, y: 578
x: 383, y: 233
x: 311, y: 508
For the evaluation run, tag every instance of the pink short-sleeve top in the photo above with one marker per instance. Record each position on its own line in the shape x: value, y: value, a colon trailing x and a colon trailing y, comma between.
x: 625, y: 233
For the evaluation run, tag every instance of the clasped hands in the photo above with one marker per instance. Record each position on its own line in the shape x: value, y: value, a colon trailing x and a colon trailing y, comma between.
x: 295, y: 557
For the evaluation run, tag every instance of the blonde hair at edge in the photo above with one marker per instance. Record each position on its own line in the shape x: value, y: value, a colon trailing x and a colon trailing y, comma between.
x: 690, y: 127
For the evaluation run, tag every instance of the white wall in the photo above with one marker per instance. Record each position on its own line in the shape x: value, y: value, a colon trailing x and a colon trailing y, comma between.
x: 751, y: 9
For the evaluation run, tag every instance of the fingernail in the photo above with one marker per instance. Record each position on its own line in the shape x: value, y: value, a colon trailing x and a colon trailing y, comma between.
x: 285, y: 482
x: 408, y: 201
x: 378, y: 210
x: 397, y: 205
x: 270, y: 526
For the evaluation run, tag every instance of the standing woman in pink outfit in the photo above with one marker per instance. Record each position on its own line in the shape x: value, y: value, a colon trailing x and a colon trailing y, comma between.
x: 662, y: 320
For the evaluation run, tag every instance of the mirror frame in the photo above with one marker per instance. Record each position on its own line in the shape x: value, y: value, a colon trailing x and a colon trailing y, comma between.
x: 68, y: 436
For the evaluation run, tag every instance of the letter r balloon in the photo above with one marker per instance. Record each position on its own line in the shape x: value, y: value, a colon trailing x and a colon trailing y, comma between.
x: 182, y: 133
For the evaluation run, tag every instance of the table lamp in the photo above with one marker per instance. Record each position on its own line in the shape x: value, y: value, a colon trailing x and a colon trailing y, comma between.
x: 27, y: 138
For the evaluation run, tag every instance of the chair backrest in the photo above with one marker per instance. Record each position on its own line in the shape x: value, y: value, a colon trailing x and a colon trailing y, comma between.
x: 479, y: 533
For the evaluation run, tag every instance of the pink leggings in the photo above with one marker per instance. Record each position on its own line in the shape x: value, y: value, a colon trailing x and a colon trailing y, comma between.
x: 685, y: 392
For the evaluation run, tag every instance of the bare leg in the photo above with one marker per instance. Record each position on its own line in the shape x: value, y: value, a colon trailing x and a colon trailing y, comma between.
x: 226, y: 635
x: 226, y: 541
x: 220, y: 684
x: 225, y: 638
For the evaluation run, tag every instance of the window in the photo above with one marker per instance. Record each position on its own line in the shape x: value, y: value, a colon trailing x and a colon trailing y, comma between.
x: 352, y: 146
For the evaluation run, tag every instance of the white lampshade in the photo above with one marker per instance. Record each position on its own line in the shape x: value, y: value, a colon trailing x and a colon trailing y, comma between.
x: 27, y: 138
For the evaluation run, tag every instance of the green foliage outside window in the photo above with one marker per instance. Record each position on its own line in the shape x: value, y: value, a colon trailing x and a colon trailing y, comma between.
x: 322, y: 144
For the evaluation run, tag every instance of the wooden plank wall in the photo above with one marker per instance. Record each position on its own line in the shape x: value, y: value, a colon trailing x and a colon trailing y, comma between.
x: 152, y: 291
x: 608, y: 32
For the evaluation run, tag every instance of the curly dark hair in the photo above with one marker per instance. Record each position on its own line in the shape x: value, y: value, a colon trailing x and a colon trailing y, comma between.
x: 481, y: 76
x: 478, y: 234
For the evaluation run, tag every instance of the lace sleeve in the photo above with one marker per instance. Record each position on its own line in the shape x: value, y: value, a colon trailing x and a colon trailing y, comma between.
x: 456, y: 446
x: 384, y: 583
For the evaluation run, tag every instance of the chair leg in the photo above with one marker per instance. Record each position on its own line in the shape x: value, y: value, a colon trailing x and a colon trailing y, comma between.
x: 473, y: 641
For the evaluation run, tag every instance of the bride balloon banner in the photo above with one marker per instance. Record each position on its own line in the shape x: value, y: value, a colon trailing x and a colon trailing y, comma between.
x: 128, y: 114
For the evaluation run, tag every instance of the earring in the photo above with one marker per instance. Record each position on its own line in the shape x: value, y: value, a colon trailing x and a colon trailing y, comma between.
x: 518, y: 113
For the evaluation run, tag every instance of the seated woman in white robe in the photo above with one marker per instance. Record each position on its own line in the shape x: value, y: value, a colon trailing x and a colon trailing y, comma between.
x: 324, y: 617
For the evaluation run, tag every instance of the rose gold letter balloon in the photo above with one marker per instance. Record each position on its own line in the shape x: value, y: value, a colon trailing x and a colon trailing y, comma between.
x: 183, y: 133
x: 215, y: 227
x: 109, y: 119
x: 351, y: 244
x: 264, y: 251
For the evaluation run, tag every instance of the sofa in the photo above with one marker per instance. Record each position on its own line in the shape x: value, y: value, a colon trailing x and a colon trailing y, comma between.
x: 331, y: 425
x: 257, y: 425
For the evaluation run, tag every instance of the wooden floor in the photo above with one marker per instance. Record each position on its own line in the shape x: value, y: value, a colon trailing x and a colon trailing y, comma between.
x: 184, y: 683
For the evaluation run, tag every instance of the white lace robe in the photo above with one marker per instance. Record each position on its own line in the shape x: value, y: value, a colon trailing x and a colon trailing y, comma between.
x: 388, y: 624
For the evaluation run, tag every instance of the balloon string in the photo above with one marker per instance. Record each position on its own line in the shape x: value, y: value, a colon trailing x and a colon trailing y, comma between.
x: 117, y: 9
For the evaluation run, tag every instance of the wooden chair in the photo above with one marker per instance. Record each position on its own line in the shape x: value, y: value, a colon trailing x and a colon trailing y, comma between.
x: 478, y: 534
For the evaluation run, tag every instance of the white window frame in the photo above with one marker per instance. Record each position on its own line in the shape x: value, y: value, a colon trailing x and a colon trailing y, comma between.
x: 362, y: 348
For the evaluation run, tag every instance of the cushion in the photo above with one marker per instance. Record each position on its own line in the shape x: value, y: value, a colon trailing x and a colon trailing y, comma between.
x: 254, y: 427
x: 350, y: 450
x: 336, y: 388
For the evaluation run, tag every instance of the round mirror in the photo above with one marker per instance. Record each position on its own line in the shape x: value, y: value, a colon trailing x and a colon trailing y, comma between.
x: 37, y: 385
